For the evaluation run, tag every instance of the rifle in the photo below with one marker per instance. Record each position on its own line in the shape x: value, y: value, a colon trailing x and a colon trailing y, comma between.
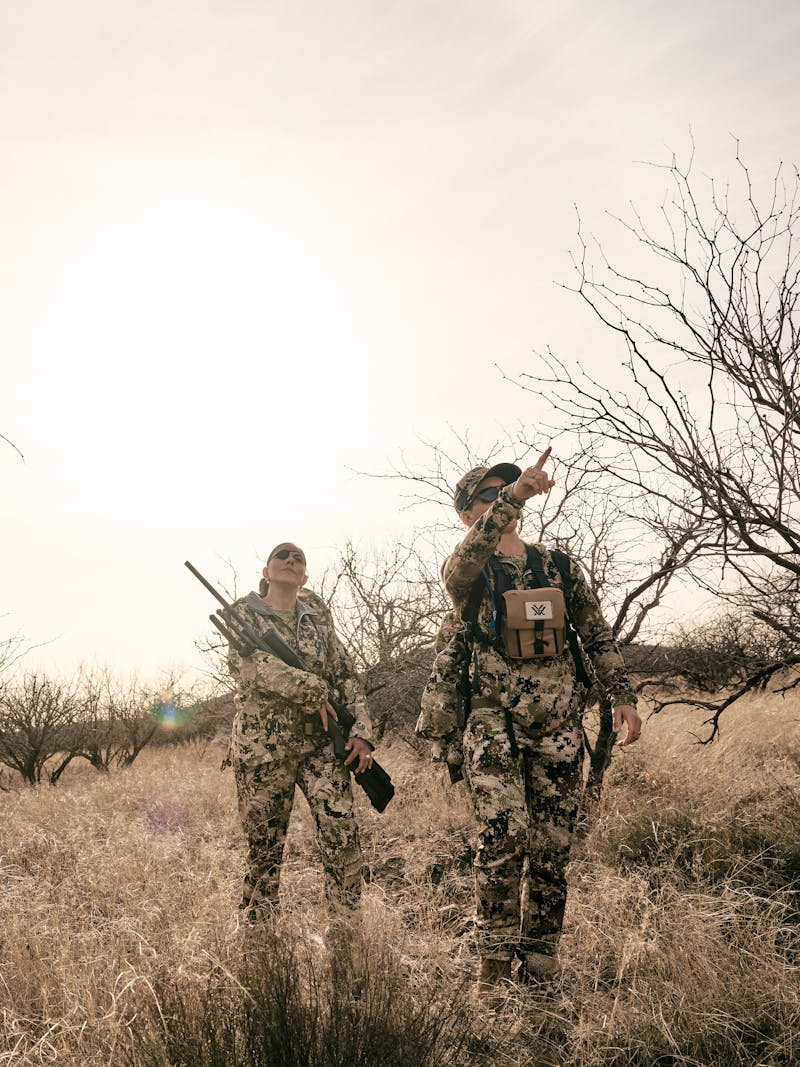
x: 241, y: 636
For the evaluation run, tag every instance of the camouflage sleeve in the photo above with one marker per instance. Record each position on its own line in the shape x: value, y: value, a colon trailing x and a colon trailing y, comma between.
x: 597, y: 640
x: 349, y: 685
x: 267, y: 674
x: 470, y: 557
x: 450, y: 625
x: 437, y: 715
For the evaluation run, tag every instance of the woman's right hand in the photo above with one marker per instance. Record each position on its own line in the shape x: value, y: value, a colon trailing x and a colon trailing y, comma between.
x: 324, y: 712
x: 534, y: 480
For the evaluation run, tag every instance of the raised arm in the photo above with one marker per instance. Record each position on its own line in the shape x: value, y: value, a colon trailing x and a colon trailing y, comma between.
x: 469, y: 558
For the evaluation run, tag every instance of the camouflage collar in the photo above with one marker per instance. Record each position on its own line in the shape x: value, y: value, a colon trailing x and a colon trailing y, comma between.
x: 256, y: 604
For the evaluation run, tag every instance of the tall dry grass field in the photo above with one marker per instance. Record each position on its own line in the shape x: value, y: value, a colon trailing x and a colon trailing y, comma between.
x: 120, y: 941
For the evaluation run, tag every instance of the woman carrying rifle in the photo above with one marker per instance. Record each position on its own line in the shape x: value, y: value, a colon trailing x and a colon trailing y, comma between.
x: 280, y: 736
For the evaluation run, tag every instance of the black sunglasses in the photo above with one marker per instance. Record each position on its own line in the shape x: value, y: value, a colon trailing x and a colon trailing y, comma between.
x: 488, y: 494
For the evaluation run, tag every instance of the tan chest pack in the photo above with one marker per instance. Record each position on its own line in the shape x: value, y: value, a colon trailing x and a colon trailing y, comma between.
x: 534, y: 623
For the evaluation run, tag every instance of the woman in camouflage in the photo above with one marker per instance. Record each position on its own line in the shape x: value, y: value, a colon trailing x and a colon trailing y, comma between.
x: 279, y: 736
x: 522, y: 742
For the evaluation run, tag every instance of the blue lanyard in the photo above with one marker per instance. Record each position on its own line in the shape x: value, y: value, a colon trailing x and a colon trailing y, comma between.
x: 487, y: 583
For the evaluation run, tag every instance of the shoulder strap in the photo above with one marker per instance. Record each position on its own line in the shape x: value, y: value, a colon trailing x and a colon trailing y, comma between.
x: 468, y: 679
x: 470, y: 615
x: 562, y: 562
x: 536, y: 565
x: 502, y: 583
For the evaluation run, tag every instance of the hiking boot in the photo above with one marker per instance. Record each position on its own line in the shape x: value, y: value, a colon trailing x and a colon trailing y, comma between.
x: 537, y: 969
x: 348, y: 952
x: 494, y: 978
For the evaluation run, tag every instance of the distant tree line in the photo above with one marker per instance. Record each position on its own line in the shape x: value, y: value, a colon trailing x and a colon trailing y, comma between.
x: 47, y: 723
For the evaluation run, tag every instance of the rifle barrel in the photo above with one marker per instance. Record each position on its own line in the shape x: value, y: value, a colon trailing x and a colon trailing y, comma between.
x: 243, y: 630
x: 207, y: 584
x: 230, y: 636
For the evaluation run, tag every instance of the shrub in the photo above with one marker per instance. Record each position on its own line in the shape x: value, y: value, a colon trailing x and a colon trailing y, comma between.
x: 292, y: 1007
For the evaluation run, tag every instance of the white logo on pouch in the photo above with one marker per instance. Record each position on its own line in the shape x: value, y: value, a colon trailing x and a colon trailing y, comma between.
x: 536, y: 610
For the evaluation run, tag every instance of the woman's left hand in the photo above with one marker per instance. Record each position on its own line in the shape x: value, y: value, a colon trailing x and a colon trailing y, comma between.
x: 632, y: 721
x: 361, y: 751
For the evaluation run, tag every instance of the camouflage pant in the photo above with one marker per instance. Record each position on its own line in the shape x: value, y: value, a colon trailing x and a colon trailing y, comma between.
x: 271, y: 754
x: 525, y: 808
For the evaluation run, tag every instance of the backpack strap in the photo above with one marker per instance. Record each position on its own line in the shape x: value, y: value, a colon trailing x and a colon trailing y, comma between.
x: 470, y: 613
x: 562, y: 562
x: 468, y: 671
x: 470, y: 617
x: 536, y: 566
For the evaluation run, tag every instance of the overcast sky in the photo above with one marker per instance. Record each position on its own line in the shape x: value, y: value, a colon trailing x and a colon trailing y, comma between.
x: 250, y: 248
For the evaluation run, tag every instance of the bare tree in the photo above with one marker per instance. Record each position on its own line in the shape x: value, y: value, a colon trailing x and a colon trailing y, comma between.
x: 135, y: 710
x: 388, y: 605
x: 45, y: 724
x: 705, y: 436
x: 720, y: 653
x: 117, y: 718
x: 39, y: 734
x: 12, y: 649
x: 387, y: 608
x: 98, y: 740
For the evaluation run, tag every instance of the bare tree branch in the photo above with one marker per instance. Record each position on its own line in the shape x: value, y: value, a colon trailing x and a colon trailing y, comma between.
x: 706, y: 430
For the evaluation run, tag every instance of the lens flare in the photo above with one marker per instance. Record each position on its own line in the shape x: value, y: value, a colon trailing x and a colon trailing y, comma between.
x: 169, y: 715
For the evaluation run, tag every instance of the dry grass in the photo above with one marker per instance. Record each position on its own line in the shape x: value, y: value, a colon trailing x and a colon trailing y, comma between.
x: 119, y: 897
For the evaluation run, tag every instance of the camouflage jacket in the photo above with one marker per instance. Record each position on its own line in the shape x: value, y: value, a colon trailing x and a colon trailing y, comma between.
x: 267, y: 681
x: 539, y: 690
x: 437, y: 717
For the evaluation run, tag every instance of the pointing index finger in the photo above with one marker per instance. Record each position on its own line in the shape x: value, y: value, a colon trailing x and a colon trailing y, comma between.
x: 540, y: 462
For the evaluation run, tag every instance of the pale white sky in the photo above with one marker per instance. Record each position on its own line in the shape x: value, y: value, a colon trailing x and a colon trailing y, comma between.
x: 251, y: 247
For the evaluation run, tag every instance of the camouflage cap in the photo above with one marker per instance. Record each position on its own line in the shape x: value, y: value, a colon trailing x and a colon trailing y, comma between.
x: 466, y: 486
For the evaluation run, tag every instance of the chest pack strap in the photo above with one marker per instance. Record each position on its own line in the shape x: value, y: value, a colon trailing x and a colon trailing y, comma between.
x: 562, y: 562
x: 502, y: 584
x: 470, y: 616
